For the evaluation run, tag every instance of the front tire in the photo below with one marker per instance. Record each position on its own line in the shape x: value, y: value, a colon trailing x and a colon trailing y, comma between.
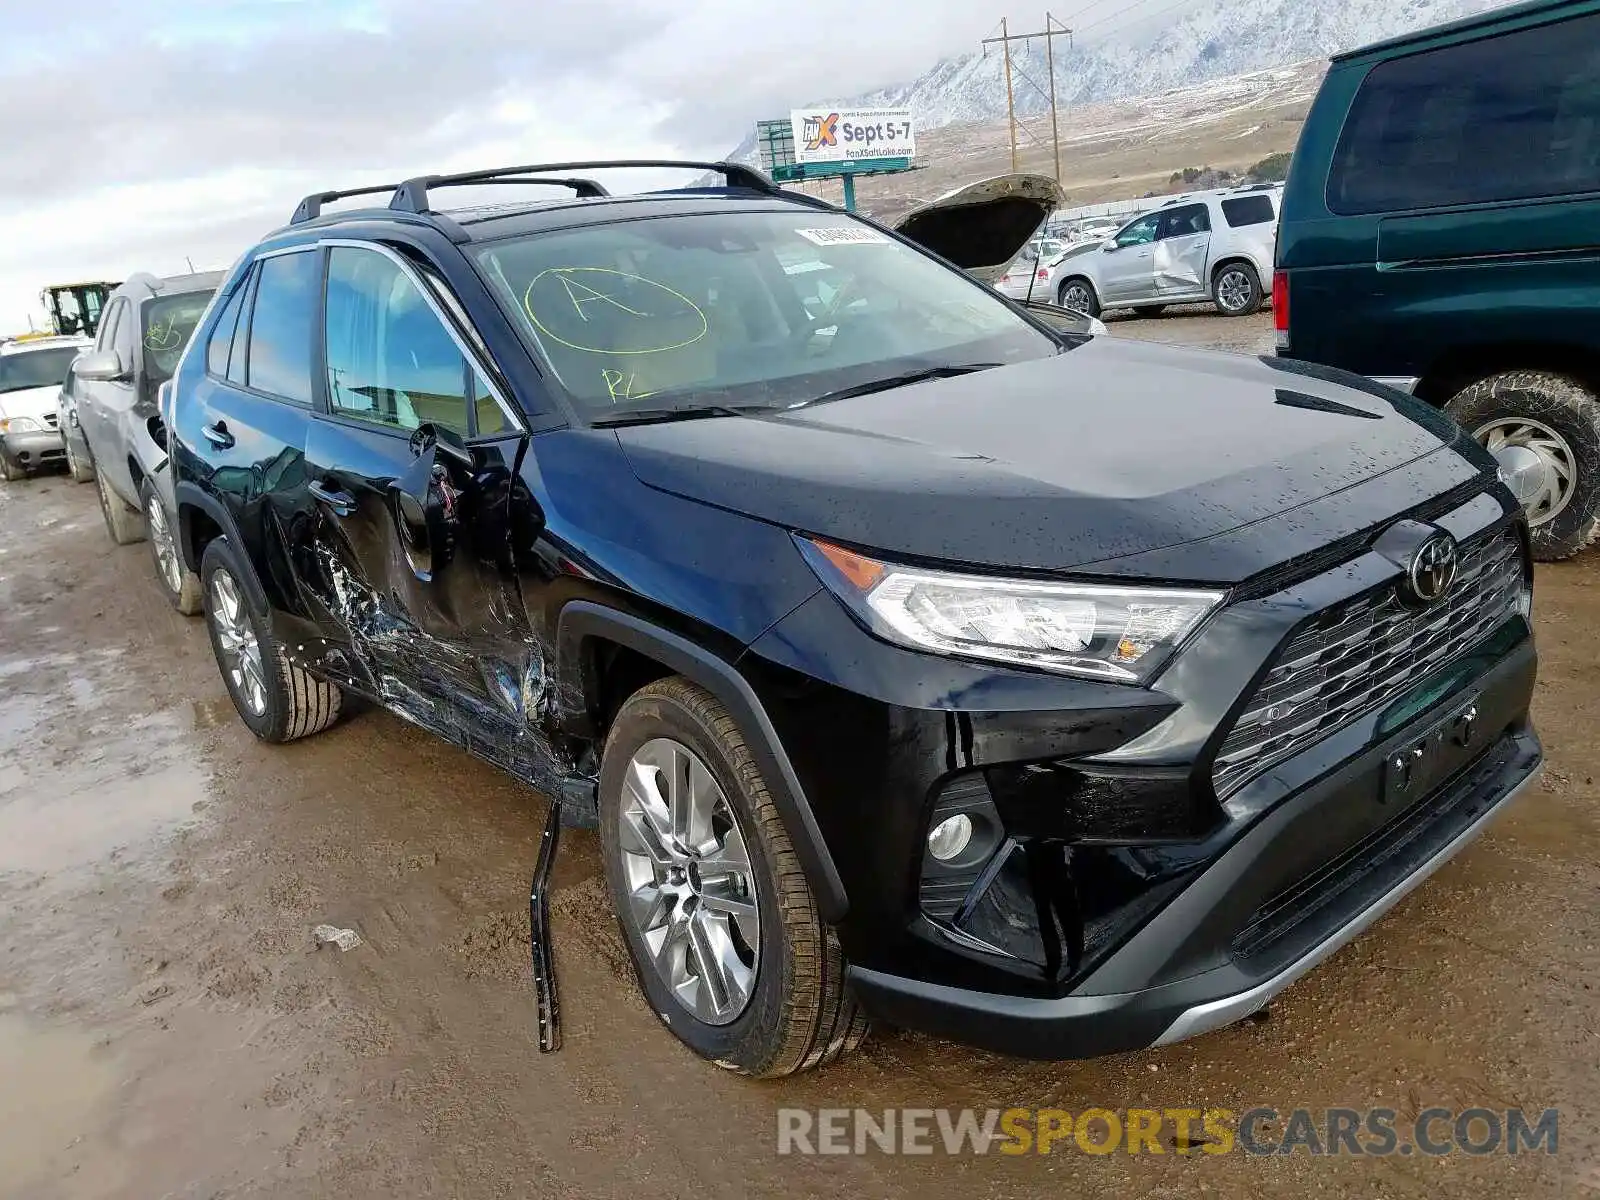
x: 1078, y: 294
x: 1559, y: 419
x: 723, y: 931
x: 123, y: 524
x: 180, y: 585
x: 277, y: 700
x: 1236, y: 291
x: 10, y: 469
x: 82, y: 470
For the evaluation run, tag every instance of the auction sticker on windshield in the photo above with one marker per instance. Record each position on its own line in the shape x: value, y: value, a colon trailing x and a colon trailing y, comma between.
x: 843, y: 235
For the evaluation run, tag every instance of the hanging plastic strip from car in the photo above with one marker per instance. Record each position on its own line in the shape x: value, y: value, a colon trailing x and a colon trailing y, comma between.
x: 547, y: 1003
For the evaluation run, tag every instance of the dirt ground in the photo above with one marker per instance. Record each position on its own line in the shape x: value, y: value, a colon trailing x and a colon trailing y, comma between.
x: 167, y: 1027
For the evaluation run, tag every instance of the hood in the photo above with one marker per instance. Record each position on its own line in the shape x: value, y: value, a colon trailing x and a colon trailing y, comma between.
x: 983, y: 226
x: 1095, y: 460
x: 29, y: 402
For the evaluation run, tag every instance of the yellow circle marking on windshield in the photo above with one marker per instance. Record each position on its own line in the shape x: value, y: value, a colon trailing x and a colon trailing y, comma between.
x: 581, y: 295
x: 163, y: 337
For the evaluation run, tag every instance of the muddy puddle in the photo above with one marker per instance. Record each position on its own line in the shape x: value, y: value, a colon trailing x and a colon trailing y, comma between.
x: 58, y: 1087
x: 81, y: 782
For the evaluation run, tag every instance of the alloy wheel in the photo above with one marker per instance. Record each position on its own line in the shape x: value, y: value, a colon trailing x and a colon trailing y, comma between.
x: 1234, y: 290
x: 691, y: 891
x: 1076, y: 296
x: 165, y: 547
x: 236, y: 641
x: 1560, y: 473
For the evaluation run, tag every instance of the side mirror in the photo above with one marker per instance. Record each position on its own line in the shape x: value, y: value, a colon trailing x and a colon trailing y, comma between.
x: 1109, y: 245
x: 100, y: 366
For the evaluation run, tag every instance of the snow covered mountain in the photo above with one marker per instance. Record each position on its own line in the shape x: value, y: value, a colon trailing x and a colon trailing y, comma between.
x: 1215, y: 38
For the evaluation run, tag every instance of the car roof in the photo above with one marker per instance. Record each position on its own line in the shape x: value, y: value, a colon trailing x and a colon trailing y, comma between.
x: 579, y: 201
x: 143, y: 285
x: 484, y: 223
x: 1526, y: 12
x: 45, y: 343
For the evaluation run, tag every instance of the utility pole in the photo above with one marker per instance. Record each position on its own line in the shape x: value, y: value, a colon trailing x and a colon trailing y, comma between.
x: 1052, y: 30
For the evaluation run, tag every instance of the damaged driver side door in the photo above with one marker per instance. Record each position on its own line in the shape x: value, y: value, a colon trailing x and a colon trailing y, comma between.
x: 411, y: 465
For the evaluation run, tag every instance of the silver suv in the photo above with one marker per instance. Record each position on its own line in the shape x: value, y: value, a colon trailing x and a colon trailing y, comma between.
x: 112, y: 407
x: 1215, y: 246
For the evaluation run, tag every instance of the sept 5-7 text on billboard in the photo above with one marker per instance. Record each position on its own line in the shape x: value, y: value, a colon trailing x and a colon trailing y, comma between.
x: 827, y: 134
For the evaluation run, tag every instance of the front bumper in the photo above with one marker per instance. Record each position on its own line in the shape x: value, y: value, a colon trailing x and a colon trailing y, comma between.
x: 1131, y: 895
x: 1376, y: 876
x: 35, y: 448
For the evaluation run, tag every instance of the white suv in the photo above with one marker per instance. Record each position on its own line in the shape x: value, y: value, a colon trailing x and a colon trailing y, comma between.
x: 1215, y: 246
x: 32, y: 370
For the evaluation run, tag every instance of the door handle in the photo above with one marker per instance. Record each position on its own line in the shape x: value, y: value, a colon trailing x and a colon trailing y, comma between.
x: 218, y: 435
x: 342, y: 503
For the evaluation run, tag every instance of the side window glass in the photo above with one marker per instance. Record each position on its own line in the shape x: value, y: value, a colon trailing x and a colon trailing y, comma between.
x: 1508, y: 117
x: 1181, y: 222
x: 1249, y: 210
x: 390, y: 359
x: 280, y: 326
x: 1140, y: 233
x: 486, y: 409
x: 238, y: 352
x: 222, y: 332
x: 108, y: 327
x: 124, y: 340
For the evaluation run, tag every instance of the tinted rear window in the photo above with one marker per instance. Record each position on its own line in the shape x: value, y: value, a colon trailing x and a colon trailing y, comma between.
x: 1505, y: 118
x: 1248, y: 210
x: 280, y: 326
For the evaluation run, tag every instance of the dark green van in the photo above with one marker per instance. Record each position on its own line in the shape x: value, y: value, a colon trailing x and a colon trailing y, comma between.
x: 1441, y: 232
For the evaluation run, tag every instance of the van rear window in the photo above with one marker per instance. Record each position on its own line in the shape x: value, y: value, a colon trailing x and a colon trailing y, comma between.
x: 1248, y: 210
x: 1511, y: 117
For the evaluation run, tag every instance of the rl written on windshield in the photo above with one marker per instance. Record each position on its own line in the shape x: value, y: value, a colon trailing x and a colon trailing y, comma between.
x: 749, y: 308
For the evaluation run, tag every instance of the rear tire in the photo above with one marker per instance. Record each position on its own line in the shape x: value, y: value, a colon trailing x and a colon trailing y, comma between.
x: 180, y: 585
x: 277, y: 701
x: 794, y: 1012
x: 1078, y: 294
x: 1236, y: 290
x: 1559, y: 418
x: 123, y: 524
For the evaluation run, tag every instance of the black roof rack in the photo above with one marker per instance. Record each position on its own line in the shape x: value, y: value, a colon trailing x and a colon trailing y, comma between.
x: 412, y: 195
x: 310, y: 208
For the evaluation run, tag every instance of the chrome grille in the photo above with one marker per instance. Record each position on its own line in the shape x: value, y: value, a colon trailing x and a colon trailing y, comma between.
x: 1364, y: 653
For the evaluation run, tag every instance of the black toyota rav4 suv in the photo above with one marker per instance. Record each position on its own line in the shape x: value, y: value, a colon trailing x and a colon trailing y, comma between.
x: 918, y: 660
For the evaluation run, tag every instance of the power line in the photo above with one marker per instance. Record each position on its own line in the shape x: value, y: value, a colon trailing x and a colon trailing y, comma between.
x: 1127, y: 8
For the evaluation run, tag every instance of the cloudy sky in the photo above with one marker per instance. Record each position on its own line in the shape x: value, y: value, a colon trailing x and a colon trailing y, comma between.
x: 139, y: 135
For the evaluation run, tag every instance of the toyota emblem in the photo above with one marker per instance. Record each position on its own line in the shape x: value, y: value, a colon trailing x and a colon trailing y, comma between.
x: 1433, y: 568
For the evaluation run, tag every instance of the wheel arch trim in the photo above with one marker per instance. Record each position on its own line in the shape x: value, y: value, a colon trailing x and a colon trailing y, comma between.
x: 190, y: 497
x: 581, y: 620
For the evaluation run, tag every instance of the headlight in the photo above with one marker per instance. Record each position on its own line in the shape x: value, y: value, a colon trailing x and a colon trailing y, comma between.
x: 18, y: 425
x: 1119, y: 634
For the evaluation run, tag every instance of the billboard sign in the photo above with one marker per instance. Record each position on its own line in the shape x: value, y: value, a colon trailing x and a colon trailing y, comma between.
x: 838, y: 135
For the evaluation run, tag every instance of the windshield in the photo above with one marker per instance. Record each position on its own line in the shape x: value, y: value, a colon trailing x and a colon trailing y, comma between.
x: 36, y: 368
x: 168, y: 322
x: 743, y: 309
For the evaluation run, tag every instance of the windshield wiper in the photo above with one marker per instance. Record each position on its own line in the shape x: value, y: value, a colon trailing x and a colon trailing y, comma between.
x: 893, y: 381
x: 686, y: 412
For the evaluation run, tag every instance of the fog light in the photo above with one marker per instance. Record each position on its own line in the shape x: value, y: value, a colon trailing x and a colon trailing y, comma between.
x: 950, y: 837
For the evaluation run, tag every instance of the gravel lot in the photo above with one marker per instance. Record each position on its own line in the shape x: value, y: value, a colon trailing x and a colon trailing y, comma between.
x: 167, y: 1027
